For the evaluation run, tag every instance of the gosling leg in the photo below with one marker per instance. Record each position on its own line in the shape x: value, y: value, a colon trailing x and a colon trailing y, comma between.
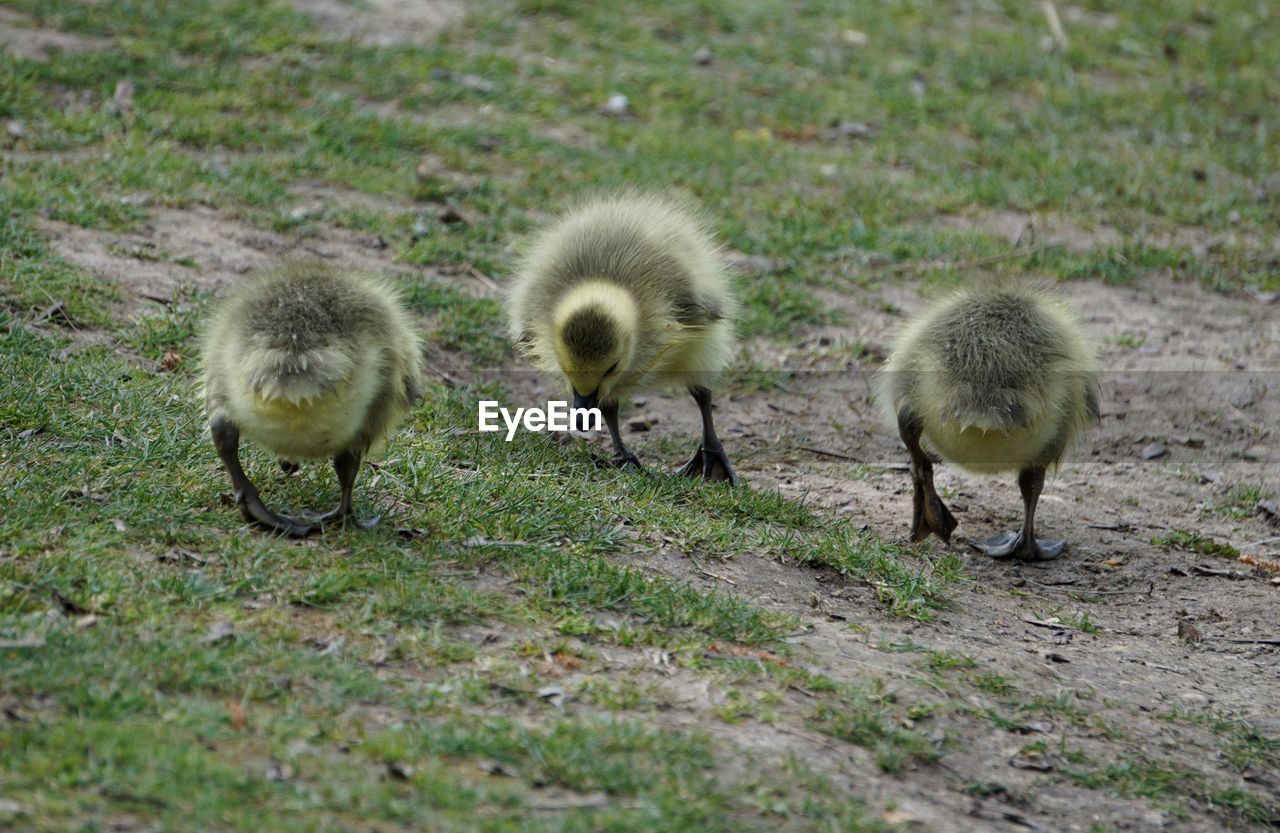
x: 622, y: 456
x: 928, y: 513
x: 1023, y: 544
x: 287, y: 467
x: 226, y: 438
x: 346, y: 465
x: 709, y: 462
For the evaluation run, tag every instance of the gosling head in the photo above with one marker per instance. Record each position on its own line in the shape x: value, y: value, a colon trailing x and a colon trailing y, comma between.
x: 594, y: 333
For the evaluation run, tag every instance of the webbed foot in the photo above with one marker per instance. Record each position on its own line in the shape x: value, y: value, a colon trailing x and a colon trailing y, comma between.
x: 931, y: 516
x: 627, y: 461
x: 1015, y: 544
x: 336, y: 515
x: 710, y: 465
x: 255, y: 512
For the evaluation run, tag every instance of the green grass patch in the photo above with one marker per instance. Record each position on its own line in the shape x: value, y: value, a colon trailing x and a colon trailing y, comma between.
x: 1196, y: 542
x: 1241, y: 501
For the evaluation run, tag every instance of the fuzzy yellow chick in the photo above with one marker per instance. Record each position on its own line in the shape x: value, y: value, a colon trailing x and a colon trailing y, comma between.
x: 309, y: 361
x: 626, y: 293
x: 992, y: 378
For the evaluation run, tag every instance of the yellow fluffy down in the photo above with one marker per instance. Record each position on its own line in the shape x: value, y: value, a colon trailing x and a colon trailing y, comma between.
x: 348, y: 391
x: 650, y: 264
x: 999, y: 376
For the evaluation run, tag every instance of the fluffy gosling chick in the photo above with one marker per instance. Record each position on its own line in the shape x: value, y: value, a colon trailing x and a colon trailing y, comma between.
x: 624, y: 293
x: 309, y: 361
x: 995, y: 378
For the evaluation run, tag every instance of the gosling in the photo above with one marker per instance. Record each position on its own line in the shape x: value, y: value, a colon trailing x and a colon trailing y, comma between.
x: 309, y: 361
x: 994, y: 378
x: 625, y: 293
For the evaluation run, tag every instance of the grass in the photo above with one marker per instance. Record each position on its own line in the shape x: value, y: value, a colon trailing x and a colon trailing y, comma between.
x: 1241, y: 501
x: 496, y: 655
x: 1170, y: 786
x: 160, y: 559
x: 1196, y: 542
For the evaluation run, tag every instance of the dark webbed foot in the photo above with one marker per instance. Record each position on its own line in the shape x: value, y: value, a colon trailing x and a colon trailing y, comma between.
x: 709, y: 464
x: 288, y: 467
x: 336, y: 515
x: 226, y: 438
x: 710, y: 461
x: 622, y: 456
x: 626, y: 460
x: 255, y: 512
x: 931, y: 516
x: 1014, y: 544
x: 1023, y: 544
x: 345, y: 465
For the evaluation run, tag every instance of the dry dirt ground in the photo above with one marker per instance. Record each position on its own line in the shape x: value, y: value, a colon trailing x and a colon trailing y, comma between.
x: 1193, y: 371
x: 384, y: 22
x: 21, y: 38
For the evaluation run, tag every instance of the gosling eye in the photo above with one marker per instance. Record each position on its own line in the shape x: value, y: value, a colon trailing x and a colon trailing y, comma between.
x: 612, y: 369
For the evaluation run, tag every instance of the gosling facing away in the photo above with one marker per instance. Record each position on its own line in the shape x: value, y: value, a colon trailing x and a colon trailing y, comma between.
x: 628, y: 292
x: 309, y: 361
x: 994, y: 378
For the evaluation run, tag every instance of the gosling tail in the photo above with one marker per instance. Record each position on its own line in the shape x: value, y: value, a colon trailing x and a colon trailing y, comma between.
x: 296, y: 377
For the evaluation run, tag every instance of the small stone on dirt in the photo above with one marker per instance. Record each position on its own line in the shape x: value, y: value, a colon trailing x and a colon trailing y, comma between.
x: 15, y: 128
x: 854, y: 38
x: 1033, y: 764
x: 496, y: 769
x: 398, y: 771
x: 57, y: 313
x: 617, y: 105
x: 278, y: 771
x: 850, y: 130
x: 476, y: 84
x: 1154, y: 451
x: 1247, y: 394
x: 221, y: 631
x: 1207, y: 475
x: 1194, y: 698
x: 553, y: 695
x: 450, y: 215
x: 702, y: 57
x: 122, y: 98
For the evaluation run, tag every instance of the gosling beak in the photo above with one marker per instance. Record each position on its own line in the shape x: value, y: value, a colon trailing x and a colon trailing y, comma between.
x: 591, y: 400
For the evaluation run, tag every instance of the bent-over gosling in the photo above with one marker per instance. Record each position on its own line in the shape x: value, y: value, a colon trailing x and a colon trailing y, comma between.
x: 309, y: 361
x: 629, y: 292
x: 994, y: 378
